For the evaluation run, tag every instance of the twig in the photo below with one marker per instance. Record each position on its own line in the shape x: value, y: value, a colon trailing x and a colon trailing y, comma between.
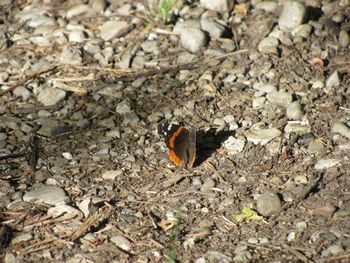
x: 296, y: 253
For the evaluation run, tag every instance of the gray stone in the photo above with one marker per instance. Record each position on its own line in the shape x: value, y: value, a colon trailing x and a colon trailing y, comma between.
x: 268, y: 45
x: 292, y: 15
x: 79, y: 10
x: 341, y: 128
x: 111, y: 174
x: 22, y: 92
x: 332, y: 251
x: 327, y: 163
x: 50, y: 96
x: 268, y: 204
x: 279, y: 98
x: 303, y: 30
x: 217, y: 5
x: 344, y: 38
x: 114, y: 29
x: 233, y: 145
x: 121, y: 242
x: 267, y: 6
x: 208, y: 185
x: 184, y: 25
x: 41, y: 21
x: 193, y: 39
x: 294, y: 111
x: 214, y: 29
x: 333, y: 80
x: 70, y: 56
x: 124, y: 107
x: 262, y: 136
x: 50, y: 195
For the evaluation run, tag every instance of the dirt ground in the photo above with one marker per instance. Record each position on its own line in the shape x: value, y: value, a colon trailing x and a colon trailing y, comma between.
x: 147, y: 209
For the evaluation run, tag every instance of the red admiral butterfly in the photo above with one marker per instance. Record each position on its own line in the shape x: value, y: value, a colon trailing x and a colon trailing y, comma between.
x: 180, y: 142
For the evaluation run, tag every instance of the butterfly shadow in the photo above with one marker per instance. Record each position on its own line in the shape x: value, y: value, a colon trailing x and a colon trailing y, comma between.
x: 208, y: 142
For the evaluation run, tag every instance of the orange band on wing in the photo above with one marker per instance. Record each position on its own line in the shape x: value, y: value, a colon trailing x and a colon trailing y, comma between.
x: 173, y: 137
x: 176, y: 159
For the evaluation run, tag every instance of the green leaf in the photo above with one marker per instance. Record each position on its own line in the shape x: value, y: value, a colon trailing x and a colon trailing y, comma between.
x: 248, y: 214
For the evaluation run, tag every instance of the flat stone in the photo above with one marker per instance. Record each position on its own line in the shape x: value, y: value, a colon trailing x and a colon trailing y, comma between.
x: 124, y: 107
x: 327, y: 163
x: 268, y: 45
x: 341, y: 128
x: 50, y: 195
x: 279, y: 98
x: 111, y: 174
x: 233, y: 145
x: 292, y: 15
x: 268, y: 204
x: 262, y: 136
x: 114, y: 29
x: 344, y: 38
x: 218, y: 5
x: 121, y: 242
x: 50, y: 96
x: 79, y: 10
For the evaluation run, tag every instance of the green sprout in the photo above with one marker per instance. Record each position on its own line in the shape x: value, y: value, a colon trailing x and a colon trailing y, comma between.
x: 165, y: 7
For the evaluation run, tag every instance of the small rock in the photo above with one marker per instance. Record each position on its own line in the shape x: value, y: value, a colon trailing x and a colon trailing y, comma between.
x: 292, y: 15
x: 267, y: 6
x: 294, y: 111
x: 114, y: 29
x: 327, y: 163
x: 332, y: 251
x: 50, y: 195
x: 65, y: 212
x: 268, y: 45
x: 124, y: 107
x: 326, y: 211
x: 121, y: 242
x: 50, y: 96
x: 234, y: 145
x: 76, y: 36
x: 67, y: 155
x: 85, y: 207
x: 214, y: 29
x: 22, y: 92
x: 23, y: 237
x: 344, y: 38
x: 10, y: 257
x: 279, y: 98
x: 71, y: 56
x: 258, y: 103
x: 333, y: 80
x: 291, y: 236
x: 38, y: 21
x: 79, y: 10
x: 262, y: 136
x: 268, y: 204
x: 111, y: 174
x: 182, y: 26
x: 208, y: 185
x: 341, y: 128
x: 219, y: 123
x: 300, y: 127
x: 216, y: 256
x: 218, y: 5
x: 303, y: 31
x: 193, y: 39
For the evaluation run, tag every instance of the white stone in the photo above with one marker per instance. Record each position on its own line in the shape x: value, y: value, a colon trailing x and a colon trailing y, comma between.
x: 292, y: 15
x: 193, y: 39
x: 111, y: 174
x: 333, y: 80
x: 50, y: 96
x: 327, y: 163
x: 217, y: 5
x: 341, y: 128
x: 268, y: 45
x: 114, y: 29
x: 46, y: 194
x: 234, y: 145
x: 294, y: 111
x: 262, y: 136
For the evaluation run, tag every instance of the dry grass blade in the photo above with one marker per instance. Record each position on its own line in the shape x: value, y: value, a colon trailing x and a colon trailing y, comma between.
x: 93, y: 220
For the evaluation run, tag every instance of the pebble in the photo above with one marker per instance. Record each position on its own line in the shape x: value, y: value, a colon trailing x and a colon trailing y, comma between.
x: 38, y: 21
x: 279, y: 98
x: 315, y: 147
x: 111, y: 174
x: 217, y: 5
x: 258, y: 103
x: 182, y: 26
x: 300, y: 127
x: 50, y: 195
x: 70, y: 56
x: 294, y: 111
x: 67, y: 155
x: 114, y: 29
x: 214, y: 29
x: 219, y: 123
x: 233, y: 145
x: 303, y: 31
x: 50, y: 96
x: 124, y: 107
x: 10, y: 257
x: 292, y: 15
x: 76, y: 36
x: 79, y: 10
x: 341, y: 128
x: 22, y: 92
x: 267, y: 6
x: 344, y: 38
x: 291, y: 236
x: 268, y: 204
x: 333, y: 80
x: 121, y: 242
x: 193, y: 39
x: 268, y: 45
x: 262, y: 136
x: 85, y: 207
x: 208, y: 185
x: 64, y: 211
x: 327, y: 163
x: 332, y: 250
x: 326, y: 211
x: 22, y: 238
